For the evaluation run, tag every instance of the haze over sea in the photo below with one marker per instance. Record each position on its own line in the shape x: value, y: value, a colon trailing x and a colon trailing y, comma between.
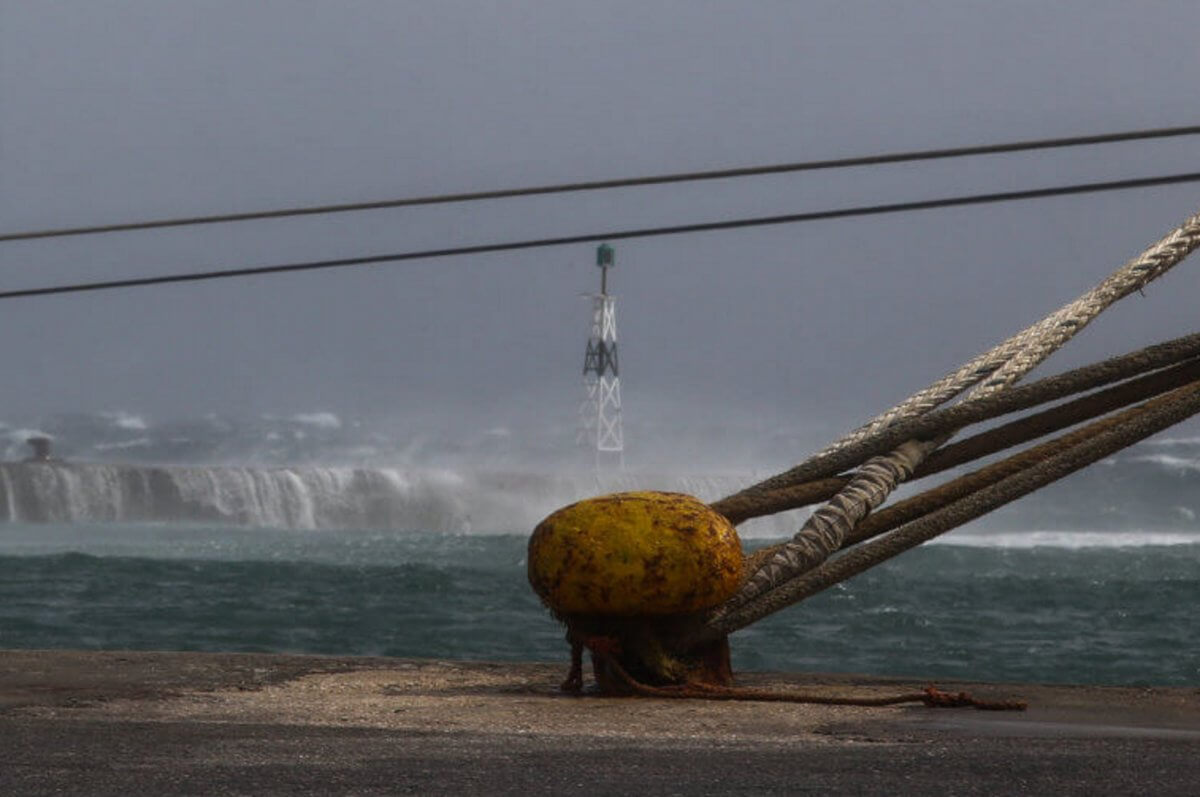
x: 1094, y: 580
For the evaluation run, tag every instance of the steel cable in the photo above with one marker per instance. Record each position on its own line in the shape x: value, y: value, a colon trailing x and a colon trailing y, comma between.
x: 612, y: 235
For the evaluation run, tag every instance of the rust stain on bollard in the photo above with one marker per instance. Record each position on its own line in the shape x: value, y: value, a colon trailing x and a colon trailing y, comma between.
x: 629, y: 574
x: 635, y: 554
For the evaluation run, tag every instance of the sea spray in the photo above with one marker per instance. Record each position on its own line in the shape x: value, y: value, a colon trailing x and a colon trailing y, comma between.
x: 306, y: 498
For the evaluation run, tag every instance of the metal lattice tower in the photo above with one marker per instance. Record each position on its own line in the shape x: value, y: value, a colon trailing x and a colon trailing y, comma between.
x: 600, y: 414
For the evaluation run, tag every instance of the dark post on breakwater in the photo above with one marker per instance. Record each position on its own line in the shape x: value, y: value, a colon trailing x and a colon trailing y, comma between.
x: 41, y: 449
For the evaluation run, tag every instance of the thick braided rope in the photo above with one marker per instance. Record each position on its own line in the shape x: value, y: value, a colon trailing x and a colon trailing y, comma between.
x: 746, y: 503
x: 1018, y: 355
x: 1005, y: 363
x: 823, y: 533
x: 826, y: 530
x: 1141, y: 422
x: 1059, y: 417
x: 929, y: 501
x: 751, y: 503
x: 1056, y: 418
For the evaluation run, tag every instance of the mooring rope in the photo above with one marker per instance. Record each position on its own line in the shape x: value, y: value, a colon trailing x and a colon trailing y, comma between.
x: 1042, y: 338
x: 758, y: 500
x: 1058, y: 417
x: 919, y: 505
x: 1007, y: 436
x: 991, y: 373
x: 605, y: 650
x: 741, y: 508
x: 1107, y: 438
x: 825, y: 530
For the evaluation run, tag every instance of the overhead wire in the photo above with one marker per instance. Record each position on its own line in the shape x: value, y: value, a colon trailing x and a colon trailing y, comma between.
x: 626, y: 182
x: 609, y: 235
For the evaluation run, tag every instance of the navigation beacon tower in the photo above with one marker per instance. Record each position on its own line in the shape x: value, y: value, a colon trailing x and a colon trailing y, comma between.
x: 600, y: 413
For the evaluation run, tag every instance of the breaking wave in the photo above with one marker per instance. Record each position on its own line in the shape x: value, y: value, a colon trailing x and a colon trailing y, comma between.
x: 417, y: 499
x: 1069, y: 540
x: 317, y: 470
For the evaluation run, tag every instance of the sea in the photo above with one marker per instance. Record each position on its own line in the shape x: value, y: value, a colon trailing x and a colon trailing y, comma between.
x: 125, y: 544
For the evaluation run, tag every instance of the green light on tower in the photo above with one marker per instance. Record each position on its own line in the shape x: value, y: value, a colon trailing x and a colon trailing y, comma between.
x: 606, y: 258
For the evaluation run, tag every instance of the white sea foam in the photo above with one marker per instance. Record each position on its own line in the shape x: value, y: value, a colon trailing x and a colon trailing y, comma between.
x: 123, y: 445
x: 318, y: 470
x: 418, y: 499
x: 1170, y: 461
x: 321, y: 420
x: 410, y: 498
x: 1073, y: 540
x: 17, y: 441
x: 126, y: 420
x: 1174, y: 441
x: 21, y: 435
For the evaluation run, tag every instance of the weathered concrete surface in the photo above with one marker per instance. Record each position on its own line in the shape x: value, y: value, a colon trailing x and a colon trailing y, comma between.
x: 189, y: 723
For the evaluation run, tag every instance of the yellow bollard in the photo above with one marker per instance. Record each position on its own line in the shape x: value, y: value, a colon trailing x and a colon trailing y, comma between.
x: 635, y: 554
x: 628, y: 574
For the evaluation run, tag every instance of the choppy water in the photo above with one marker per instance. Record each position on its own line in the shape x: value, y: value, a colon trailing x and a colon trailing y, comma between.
x: 1090, y: 607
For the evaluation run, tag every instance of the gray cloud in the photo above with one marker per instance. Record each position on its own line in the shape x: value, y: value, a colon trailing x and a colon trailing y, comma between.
x: 114, y: 111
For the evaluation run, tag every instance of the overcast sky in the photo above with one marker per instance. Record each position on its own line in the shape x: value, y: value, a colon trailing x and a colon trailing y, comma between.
x: 115, y: 111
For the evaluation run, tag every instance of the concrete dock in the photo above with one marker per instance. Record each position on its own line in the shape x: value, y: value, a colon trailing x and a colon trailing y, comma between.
x: 101, y: 723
